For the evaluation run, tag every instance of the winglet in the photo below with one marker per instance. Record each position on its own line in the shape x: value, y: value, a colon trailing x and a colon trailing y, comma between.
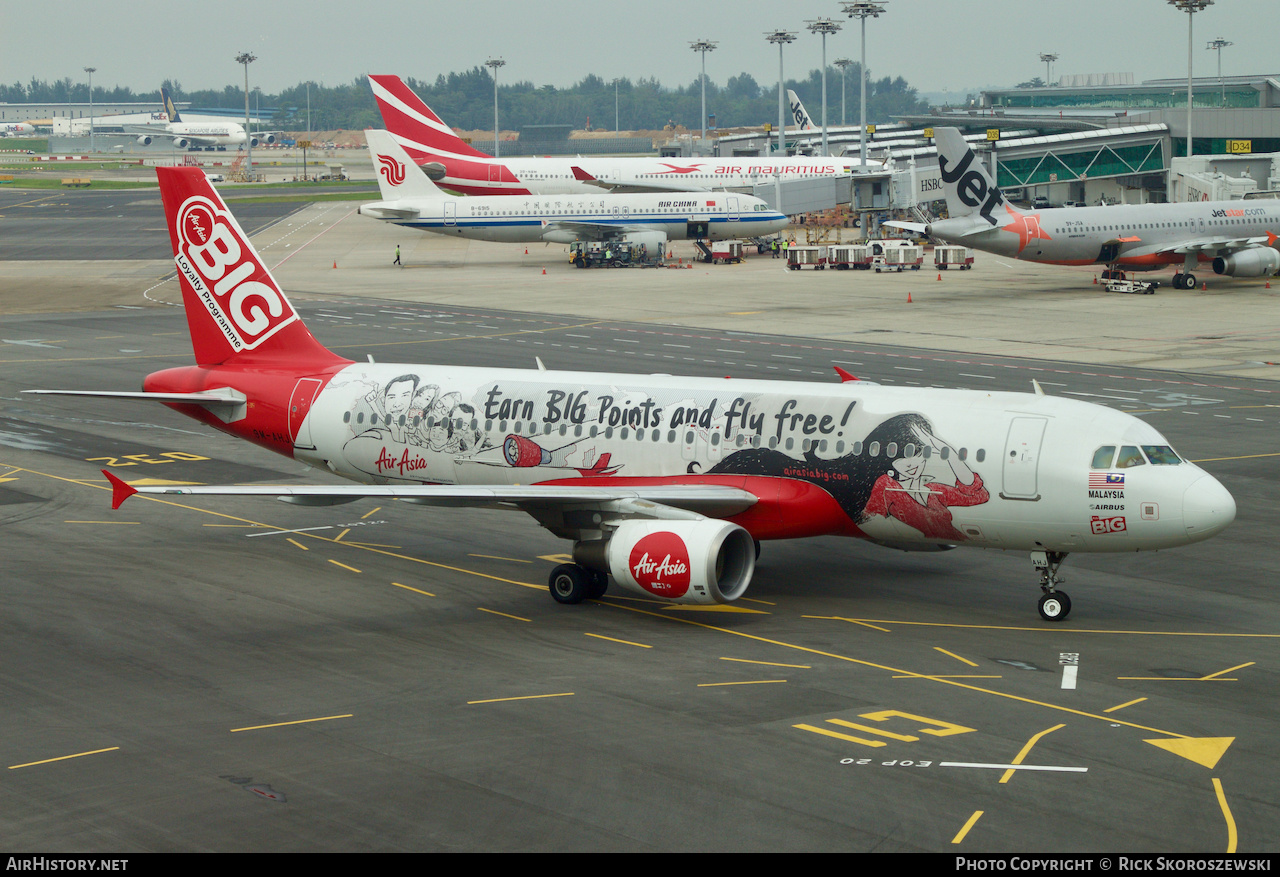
x: 119, y: 490
x: 1272, y: 238
x: 582, y: 176
x: 845, y: 377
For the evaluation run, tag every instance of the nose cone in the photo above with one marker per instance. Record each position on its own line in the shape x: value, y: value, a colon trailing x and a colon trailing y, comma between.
x: 1207, y: 508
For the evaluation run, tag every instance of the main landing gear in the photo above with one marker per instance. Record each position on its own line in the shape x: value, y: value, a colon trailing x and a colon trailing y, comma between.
x: 1054, y: 605
x: 1184, y: 281
x: 571, y: 583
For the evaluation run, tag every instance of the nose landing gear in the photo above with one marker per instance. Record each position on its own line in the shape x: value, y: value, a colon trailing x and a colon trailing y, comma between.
x: 1054, y: 605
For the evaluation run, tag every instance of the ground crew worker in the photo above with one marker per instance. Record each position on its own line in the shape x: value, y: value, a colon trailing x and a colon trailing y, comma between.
x: 397, y: 261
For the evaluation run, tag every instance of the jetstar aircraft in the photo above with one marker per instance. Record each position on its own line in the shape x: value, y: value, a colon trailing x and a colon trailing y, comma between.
x: 1237, y: 237
x: 412, y: 200
x: 664, y: 483
x: 457, y: 167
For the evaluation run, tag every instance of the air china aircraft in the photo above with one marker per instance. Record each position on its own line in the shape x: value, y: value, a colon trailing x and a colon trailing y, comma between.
x: 1237, y: 237
x: 412, y: 200
x: 188, y: 134
x: 664, y: 483
x: 457, y: 167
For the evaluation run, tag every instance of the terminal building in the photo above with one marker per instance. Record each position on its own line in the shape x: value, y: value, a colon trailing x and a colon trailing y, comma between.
x: 1086, y: 140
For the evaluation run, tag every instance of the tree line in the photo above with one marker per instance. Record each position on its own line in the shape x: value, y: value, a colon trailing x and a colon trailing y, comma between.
x: 465, y: 100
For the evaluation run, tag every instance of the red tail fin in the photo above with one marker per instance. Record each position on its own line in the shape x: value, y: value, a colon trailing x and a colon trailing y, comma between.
x: 418, y: 129
x: 235, y: 308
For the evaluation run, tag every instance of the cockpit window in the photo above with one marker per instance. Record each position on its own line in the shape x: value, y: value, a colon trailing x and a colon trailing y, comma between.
x: 1130, y: 457
x: 1102, y: 457
x: 1161, y: 455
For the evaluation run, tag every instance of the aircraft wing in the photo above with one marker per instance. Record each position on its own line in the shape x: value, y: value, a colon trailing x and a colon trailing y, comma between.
x: 917, y: 227
x: 596, y: 231
x: 664, y: 501
x: 1218, y: 246
x: 634, y: 186
x: 157, y: 132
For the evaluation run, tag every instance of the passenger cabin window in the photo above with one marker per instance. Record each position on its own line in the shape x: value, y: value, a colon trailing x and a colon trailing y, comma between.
x: 1129, y: 457
x: 1161, y: 455
x: 1103, y: 456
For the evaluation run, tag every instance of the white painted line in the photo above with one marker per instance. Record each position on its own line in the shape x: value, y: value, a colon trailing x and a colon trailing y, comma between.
x: 1014, y: 766
x: 278, y: 532
x: 1069, y: 676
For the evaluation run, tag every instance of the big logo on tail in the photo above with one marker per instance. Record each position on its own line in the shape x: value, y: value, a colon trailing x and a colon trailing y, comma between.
x: 216, y: 259
x: 391, y: 169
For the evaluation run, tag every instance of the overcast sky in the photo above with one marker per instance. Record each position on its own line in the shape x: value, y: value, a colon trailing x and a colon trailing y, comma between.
x: 935, y: 45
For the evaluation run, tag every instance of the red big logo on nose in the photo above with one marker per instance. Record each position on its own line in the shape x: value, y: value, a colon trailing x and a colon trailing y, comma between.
x: 660, y: 564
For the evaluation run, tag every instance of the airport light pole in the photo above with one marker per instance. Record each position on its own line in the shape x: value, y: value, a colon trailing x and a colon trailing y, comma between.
x: 1048, y: 58
x: 781, y: 37
x: 1191, y: 7
x: 92, y: 70
x: 842, y: 63
x: 824, y: 26
x: 702, y: 47
x: 247, y: 58
x: 863, y: 9
x: 1218, y: 44
x: 493, y: 64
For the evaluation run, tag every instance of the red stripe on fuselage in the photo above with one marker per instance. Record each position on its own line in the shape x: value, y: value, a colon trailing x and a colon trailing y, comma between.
x: 787, y: 508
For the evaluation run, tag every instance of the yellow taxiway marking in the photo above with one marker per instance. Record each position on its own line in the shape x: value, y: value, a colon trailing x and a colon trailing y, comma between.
x: 102, y: 522
x: 343, y: 565
x: 496, y: 557
x: 233, y: 526
x: 338, y: 538
x: 1017, y: 759
x: 754, y: 682
x: 407, y: 588
x: 1123, y: 705
x: 948, y: 676
x: 849, y: 620
x: 770, y: 663
x: 367, y: 514
x: 744, y: 313
x: 556, y: 558
x: 63, y: 757
x: 1212, y: 677
x: 827, y: 732
x: 1183, y: 745
x: 523, y: 697
x: 1226, y: 814
x: 977, y: 814
x: 622, y: 641
x: 298, y: 722
x: 872, y: 622
x: 954, y: 655
x: 503, y: 614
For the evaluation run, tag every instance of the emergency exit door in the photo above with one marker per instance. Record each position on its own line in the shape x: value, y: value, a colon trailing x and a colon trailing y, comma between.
x: 1022, y: 458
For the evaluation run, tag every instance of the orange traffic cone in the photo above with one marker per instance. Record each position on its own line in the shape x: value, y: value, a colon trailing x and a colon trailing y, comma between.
x: 544, y: 270
x: 939, y: 277
x: 1268, y: 284
x: 526, y: 251
x: 1204, y: 287
x: 1095, y: 280
x: 908, y: 298
x: 335, y: 263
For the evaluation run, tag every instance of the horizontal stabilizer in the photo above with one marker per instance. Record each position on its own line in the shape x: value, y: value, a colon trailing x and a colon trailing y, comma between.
x: 226, y: 404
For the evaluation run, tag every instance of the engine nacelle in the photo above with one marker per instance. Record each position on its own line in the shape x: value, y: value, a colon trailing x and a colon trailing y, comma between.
x: 1253, y: 262
x: 703, y: 562
x: 144, y: 140
x: 654, y: 241
x: 435, y: 170
x: 181, y: 143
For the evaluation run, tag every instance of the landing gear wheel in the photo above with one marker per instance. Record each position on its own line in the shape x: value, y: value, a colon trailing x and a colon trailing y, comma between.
x: 597, y: 584
x: 569, y: 583
x: 1188, y: 281
x: 1055, y: 606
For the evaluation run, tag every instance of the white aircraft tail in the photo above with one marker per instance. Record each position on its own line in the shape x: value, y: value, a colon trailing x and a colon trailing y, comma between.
x: 398, y: 176
x: 968, y: 185
x: 798, y: 113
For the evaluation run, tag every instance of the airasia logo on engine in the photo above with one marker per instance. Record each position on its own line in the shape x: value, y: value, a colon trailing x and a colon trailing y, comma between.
x: 220, y: 266
x: 660, y: 564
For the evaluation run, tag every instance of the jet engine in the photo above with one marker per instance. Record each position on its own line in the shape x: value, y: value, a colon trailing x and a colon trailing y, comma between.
x: 1253, y: 262
x: 181, y: 143
x: 259, y: 139
x: 144, y: 140
x: 435, y: 170
x: 702, y: 561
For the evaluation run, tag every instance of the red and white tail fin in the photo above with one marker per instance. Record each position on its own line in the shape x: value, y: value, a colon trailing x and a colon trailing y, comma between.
x: 235, y: 309
x: 419, y: 130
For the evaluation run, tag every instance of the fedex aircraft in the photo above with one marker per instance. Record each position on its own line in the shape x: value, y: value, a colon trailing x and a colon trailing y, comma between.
x: 16, y: 129
x: 665, y: 484
x: 457, y: 167
x: 412, y: 200
x: 1237, y: 237
x: 195, y: 134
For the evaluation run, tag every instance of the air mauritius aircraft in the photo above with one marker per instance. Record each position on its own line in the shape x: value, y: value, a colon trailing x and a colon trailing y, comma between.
x: 457, y: 167
x: 1237, y: 237
x: 412, y: 200
x: 665, y: 484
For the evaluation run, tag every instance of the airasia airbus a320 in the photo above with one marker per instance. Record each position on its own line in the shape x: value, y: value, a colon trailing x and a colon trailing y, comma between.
x: 664, y: 484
